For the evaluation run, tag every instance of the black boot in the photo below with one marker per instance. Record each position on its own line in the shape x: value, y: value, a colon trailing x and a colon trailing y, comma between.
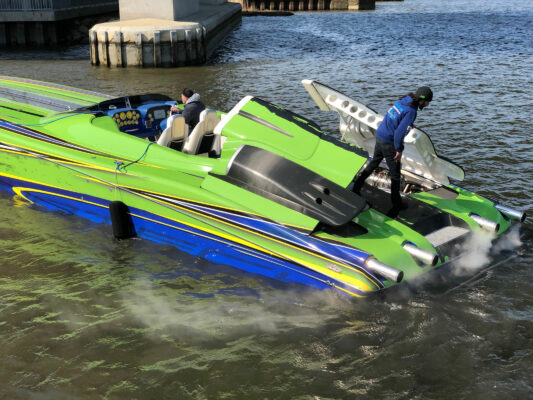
x: 396, y: 199
x: 360, y: 181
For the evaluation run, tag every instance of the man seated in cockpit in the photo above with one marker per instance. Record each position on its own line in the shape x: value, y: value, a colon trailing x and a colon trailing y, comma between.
x: 192, y: 110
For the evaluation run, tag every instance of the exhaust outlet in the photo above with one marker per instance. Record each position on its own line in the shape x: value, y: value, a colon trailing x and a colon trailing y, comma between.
x: 517, y: 215
x: 427, y: 257
x: 384, y: 270
x: 486, y: 224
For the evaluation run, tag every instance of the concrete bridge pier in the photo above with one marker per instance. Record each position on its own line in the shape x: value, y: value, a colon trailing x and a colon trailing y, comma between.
x: 169, y: 33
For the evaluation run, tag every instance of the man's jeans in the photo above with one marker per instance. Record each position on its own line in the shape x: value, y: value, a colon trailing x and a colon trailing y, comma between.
x: 383, y: 150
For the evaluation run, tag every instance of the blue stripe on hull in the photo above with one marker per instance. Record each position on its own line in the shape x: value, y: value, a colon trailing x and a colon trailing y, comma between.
x: 182, y: 237
x: 343, y: 253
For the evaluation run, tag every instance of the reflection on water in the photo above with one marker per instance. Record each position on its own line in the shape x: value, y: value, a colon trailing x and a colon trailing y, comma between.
x: 83, y: 316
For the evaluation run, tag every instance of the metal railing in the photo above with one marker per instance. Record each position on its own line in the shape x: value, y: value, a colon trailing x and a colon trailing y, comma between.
x: 25, y: 5
x: 38, y: 5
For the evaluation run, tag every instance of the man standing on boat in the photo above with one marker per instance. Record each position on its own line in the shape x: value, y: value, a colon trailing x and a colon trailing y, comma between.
x: 389, y: 142
x: 193, y: 108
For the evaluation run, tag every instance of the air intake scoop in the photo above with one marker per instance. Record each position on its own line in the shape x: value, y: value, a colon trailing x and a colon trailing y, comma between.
x: 288, y: 183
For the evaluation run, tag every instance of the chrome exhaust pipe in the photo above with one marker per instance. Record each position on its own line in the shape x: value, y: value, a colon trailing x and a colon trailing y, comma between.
x: 486, y: 224
x: 427, y: 257
x: 511, y: 213
x: 386, y: 271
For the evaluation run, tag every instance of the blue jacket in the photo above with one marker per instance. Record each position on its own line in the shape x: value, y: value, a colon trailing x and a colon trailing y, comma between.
x: 397, y: 123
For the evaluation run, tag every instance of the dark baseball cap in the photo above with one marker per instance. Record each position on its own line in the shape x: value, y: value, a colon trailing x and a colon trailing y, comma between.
x: 424, y: 93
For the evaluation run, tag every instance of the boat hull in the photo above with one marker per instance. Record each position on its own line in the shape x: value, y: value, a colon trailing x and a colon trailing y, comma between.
x: 169, y: 231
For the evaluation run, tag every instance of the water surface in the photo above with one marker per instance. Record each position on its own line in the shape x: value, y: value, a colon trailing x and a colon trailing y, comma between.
x: 83, y: 316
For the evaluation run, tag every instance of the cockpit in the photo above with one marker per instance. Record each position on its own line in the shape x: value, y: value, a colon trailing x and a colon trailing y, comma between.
x: 145, y: 116
x: 142, y: 115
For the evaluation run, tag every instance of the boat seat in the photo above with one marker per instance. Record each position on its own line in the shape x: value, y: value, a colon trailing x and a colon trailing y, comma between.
x: 216, y: 148
x: 176, y: 131
x: 206, y: 125
x: 218, y: 140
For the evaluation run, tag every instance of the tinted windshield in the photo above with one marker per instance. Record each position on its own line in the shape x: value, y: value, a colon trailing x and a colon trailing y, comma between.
x: 126, y: 102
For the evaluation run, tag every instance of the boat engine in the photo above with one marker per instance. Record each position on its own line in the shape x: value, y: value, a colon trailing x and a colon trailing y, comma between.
x: 381, y: 179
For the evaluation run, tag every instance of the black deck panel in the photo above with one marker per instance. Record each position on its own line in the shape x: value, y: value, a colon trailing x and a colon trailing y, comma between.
x: 294, y: 186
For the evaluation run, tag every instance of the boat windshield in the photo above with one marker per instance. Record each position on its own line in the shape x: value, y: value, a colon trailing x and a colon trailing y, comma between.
x: 126, y: 102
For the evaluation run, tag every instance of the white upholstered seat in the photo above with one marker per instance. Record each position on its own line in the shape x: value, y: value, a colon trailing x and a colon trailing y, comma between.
x: 176, y: 130
x: 206, y: 125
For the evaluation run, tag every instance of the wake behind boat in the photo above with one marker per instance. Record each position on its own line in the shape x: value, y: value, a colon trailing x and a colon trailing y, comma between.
x: 258, y: 188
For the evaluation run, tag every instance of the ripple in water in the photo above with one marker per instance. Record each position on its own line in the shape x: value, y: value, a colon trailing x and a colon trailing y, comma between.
x: 83, y: 316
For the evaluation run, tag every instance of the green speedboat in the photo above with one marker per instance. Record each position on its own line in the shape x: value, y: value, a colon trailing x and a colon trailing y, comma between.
x: 258, y: 188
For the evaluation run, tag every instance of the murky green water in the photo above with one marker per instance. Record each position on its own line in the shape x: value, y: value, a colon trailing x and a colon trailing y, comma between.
x: 85, y: 317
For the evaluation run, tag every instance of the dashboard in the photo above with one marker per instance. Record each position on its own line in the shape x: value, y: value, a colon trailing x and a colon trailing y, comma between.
x: 140, y: 115
x: 144, y: 121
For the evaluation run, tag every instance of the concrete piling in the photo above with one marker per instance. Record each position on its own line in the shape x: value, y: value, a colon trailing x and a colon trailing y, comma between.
x: 3, y: 36
x: 50, y: 34
x: 200, y: 44
x: 93, y: 45
x: 182, y: 49
x: 154, y: 42
x: 105, y: 49
x: 118, y: 49
x: 38, y: 34
x: 157, y: 49
x: 138, y: 47
x: 21, y: 35
x: 174, y: 47
x: 188, y: 44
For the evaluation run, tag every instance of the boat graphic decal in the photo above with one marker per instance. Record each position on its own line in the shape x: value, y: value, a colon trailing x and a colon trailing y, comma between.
x: 280, y: 233
x: 6, y: 147
x: 309, y: 126
x: 264, y: 123
x: 54, y: 86
x: 22, y: 184
x: 32, y: 153
x: 212, y: 206
x: 210, y: 213
x: 309, y: 274
x: 14, y: 128
x: 31, y: 133
x: 303, y: 242
x: 23, y: 111
x: 60, y: 193
x: 347, y: 284
x: 47, y: 102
